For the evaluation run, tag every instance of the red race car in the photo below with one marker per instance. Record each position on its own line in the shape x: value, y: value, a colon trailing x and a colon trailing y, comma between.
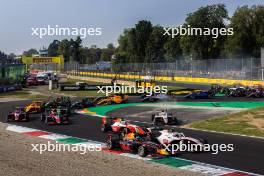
x: 55, y: 117
x: 32, y: 81
x: 19, y: 115
x: 119, y: 125
x: 140, y: 145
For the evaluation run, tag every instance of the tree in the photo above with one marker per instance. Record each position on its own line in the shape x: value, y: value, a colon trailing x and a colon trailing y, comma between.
x: 173, y: 49
x: 64, y: 49
x: 139, y: 39
x: 30, y: 52
x: 133, y: 42
x: 205, y: 46
x: 53, y: 48
x: 155, y: 46
x: 248, y: 32
x: 107, y: 52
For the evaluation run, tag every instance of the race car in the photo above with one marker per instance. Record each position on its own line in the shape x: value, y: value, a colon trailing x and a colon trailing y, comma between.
x: 55, y: 117
x: 119, y: 125
x: 154, y: 97
x: 58, y: 102
x: 42, y: 80
x: 112, y: 99
x: 31, y: 81
x: 34, y: 107
x: 256, y: 92
x: 172, y: 137
x: 138, y: 145
x: 19, y: 115
x: 200, y: 94
x: 162, y: 117
x: 84, y: 103
x: 237, y: 92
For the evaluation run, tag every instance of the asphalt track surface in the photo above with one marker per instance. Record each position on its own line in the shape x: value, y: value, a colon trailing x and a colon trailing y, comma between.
x: 247, y: 156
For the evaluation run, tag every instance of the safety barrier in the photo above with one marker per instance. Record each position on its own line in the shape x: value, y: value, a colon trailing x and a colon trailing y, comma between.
x: 175, y: 78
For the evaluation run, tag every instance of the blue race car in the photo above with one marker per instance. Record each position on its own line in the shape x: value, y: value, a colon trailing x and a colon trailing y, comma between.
x: 200, y: 94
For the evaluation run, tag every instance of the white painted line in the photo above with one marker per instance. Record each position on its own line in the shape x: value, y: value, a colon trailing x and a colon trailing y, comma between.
x: 208, y: 170
x: 220, y: 132
x: 215, y: 166
x: 200, y: 167
x: 20, y: 129
x: 135, y: 156
x: 54, y: 136
x: 159, y: 105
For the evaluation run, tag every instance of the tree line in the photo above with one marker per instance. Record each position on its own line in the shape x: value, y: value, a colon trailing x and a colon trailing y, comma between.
x: 145, y: 42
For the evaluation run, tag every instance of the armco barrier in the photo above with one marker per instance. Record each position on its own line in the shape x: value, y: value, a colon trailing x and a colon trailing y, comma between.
x: 4, y: 89
x: 179, y: 79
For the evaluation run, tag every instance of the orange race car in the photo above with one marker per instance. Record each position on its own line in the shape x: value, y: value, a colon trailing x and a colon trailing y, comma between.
x: 112, y: 99
x: 34, y: 107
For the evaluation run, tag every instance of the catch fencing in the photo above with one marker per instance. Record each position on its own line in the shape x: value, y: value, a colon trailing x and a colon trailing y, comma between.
x: 237, y: 69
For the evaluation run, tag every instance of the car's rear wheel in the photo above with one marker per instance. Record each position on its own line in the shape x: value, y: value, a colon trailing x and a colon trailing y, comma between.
x: 42, y: 117
x: 27, y: 117
x: 104, y: 128
x: 111, y: 144
x: 142, y: 151
x: 7, y: 118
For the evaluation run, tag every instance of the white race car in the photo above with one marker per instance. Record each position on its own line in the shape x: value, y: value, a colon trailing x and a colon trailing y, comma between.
x: 163, y: 118
x: 171, y: 137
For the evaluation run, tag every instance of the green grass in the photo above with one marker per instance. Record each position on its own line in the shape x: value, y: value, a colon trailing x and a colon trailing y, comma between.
x: 73, y: 81
x: 21, y: 94
x: 250, y: 122
x: 93, y: 93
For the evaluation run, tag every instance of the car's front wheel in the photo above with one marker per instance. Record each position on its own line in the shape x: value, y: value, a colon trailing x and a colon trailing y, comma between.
x: 142, y: 151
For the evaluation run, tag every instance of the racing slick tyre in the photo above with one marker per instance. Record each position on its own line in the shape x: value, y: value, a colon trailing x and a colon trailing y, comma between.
x: 27, y: 117
x: 47, y: 120
x: 104, y: 128
x: 43, y: 117
x: 152, y: 117
x: 7, y: 118
x: 192, y: 97
x: 111, y: 144
x: 142, y: 151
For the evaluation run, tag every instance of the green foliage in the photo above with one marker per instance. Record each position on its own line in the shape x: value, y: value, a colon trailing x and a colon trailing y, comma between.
x: 30, y: 52
x: 155, y: 46
x: 248, y: 24
x: 147, y: 43
x: 205, y: 46
x: 173, y: 49
x: 53, y: 48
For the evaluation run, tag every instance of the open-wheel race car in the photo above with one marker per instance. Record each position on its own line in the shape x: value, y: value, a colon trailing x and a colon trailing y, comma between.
x: 201, y: 94
x: 163, y: 117
x: 31, y: 81
x: 19, y: 115
x: 171, y: 137
x: 84, y: 103
x: 257, y: 91
x: 55, y: 117
x: 34, y: 107
x: 140, y: 145
x: 154, y: 97
x: 121, y: 126
x: 112, y: 99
